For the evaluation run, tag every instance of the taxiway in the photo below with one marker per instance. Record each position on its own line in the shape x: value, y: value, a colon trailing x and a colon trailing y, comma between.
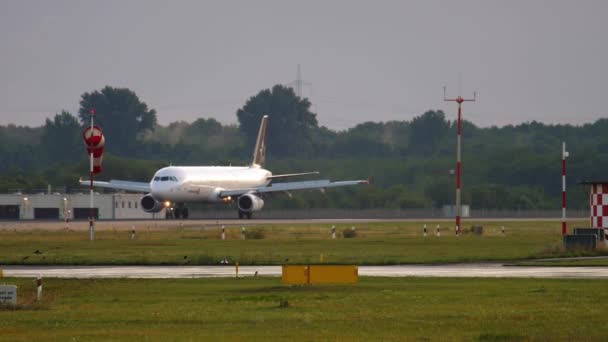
x: 490, y: 270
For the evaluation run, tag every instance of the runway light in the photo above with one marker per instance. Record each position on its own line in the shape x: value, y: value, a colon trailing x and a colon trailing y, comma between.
x: 167, y: 204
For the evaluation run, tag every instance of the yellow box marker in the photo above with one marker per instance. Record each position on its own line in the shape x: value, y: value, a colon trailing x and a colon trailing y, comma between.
x: 295, y: 274
x: 320, y: 274
x: 334, y: 274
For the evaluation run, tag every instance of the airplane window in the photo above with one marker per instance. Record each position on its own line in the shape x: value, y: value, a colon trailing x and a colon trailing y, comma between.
x: 164, y: 179
x: 173, y: 178
x: 156, y: 178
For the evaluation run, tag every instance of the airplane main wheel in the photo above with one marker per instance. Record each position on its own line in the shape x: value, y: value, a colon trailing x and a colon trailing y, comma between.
x: 177, y: 213
x: 245, y: 215
x: 185, y: 213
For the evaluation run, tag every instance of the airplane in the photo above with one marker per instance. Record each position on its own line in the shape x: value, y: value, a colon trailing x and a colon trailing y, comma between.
x: 173, y: 186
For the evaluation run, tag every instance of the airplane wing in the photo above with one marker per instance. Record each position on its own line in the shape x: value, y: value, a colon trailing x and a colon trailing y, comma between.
x: 120, y: 185
x: 305, y: 185
x: 293, y: 175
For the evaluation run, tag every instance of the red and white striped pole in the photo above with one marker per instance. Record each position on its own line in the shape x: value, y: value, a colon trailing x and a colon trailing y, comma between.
x: 458, y: 100
x: 39, y: 287
x: 458, y: 165
x: 94, y: 142
x: 91, y: 207
x: 564, y: 156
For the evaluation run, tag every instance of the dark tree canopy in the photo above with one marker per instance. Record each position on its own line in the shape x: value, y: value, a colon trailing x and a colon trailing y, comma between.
x: 512, y: 167
x: 427, y: 130
x: 121, y: 115
x: 61, y: 138
x: 291, y: 124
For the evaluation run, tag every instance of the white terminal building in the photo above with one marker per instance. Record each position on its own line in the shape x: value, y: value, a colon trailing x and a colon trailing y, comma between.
x: 57, y: 206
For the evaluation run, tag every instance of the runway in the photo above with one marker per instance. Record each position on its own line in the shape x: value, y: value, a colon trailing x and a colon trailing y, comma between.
x: 126, y: 225
x: 490, y: 270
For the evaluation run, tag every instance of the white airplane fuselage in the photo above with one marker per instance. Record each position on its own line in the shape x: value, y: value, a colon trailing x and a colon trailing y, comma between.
x: 173, y: 186
x: 204, y: 183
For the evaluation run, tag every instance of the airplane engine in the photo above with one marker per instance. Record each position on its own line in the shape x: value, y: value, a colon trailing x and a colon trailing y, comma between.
x: 249, y: 202
x: 150, y: 204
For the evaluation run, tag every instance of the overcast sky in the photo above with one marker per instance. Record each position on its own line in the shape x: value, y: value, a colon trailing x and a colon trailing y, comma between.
x: 365, y: 60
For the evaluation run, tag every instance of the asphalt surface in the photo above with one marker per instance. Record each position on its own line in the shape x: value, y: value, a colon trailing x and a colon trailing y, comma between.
x: 457, y: 270
x: 122, y: 225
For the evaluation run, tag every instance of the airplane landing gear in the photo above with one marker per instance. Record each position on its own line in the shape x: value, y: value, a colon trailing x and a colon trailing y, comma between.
x: 182, y: 213
x: 244, y: 214
x: 178, y: 212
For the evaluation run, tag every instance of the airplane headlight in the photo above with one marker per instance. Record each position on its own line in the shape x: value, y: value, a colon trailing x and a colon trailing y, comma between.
x: 167, y: 204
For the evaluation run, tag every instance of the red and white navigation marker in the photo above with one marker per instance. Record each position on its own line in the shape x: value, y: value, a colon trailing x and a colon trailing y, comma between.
x: 94, y: 142
x: 39, y: 287
x: 564, y: 156
x: 458, y: 100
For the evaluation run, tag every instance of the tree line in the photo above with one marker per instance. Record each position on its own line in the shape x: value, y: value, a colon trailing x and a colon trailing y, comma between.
x: 410, y: 162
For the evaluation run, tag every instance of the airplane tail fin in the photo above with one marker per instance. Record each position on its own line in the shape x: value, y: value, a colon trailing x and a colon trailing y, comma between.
x: 259, y: 153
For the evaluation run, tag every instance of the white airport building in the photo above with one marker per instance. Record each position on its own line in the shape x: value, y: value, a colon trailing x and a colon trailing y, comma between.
x: 58, y: 206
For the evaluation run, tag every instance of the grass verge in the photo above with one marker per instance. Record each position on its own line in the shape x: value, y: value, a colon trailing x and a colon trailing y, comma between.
x: 373, y: 244
x: 262, y: 309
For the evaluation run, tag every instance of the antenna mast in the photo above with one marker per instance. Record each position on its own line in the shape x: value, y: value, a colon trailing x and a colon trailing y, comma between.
x: 458, y: 100
x: 298, y: 84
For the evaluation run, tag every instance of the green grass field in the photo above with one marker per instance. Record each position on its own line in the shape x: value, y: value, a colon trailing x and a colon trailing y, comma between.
x: 375, y: 244
x: 249, y: 309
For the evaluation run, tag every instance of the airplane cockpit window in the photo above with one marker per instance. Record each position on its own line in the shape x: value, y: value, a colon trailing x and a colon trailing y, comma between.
x: 165, y: 179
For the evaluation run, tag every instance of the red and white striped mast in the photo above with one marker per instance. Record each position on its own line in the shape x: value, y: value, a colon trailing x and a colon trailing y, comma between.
x: 565, y: 154
x: 458, y: 100
x: 92, y: 174
x: 94, y: 142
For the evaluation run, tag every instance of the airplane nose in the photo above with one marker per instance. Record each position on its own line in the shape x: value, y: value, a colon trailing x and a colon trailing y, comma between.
x: 158, y: 189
